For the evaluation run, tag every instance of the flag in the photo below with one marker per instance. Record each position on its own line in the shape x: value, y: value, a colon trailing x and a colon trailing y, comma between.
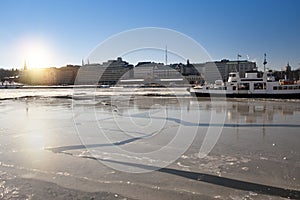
x: 239, y: 55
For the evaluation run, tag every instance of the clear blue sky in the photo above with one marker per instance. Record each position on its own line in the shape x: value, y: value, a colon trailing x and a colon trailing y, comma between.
x: 67, y: 30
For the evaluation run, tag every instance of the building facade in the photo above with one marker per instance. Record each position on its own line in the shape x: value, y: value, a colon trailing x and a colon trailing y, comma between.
x: 152, y: 72
x: 219, y: 70
x: 113, y: 71
x: 107, y: 73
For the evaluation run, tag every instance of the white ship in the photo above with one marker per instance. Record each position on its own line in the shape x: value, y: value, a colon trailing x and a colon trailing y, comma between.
x: 249, y: 87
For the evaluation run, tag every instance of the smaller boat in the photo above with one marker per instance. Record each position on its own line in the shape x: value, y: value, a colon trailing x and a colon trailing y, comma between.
x: 251, y: 86
x: 10, y: 85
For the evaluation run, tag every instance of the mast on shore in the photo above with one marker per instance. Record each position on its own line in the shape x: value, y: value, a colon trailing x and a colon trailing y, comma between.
x: 166, y: 52
x: 25, y: 65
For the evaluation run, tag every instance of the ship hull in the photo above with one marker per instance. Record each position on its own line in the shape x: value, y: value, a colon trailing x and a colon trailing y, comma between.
x: 247, y: 95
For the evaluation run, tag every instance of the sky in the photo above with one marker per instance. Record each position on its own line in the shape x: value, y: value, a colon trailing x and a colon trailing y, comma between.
x: 58, y: 32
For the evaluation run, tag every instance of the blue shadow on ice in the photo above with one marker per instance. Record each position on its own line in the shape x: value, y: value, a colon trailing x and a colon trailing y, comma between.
x: 207, y: 178
x: 216, y: 180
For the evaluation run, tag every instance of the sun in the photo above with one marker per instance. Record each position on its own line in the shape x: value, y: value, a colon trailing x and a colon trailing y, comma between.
x: 36, y: 57
x: 37, y: 54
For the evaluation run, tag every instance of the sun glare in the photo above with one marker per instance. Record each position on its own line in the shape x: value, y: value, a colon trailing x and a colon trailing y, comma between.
x: 36, y: 54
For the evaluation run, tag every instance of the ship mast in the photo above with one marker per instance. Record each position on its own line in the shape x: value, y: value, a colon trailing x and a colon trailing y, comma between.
x: 265, y: 62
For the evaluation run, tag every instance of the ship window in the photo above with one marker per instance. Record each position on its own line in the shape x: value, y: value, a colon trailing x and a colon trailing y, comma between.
x: 275, y: 88
x: 243, y: 86
x: 285, y: 87
x: 258, y: 86
x: 295, y: 87
x: 290, y: 87
x: 234, y: 88
x: 280, y: 87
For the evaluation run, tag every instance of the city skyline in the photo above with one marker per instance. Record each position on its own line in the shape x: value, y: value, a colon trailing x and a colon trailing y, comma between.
x: 56, y: 33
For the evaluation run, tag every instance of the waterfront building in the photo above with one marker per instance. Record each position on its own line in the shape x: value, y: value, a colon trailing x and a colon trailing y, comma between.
x: 165, y: 71
x: 219, y: 70
x: 287, y: 74
x: 155, y: 73
x: 226, y: 66
x: 145, y: 70
x: 108, y: 73
x: 115, y: 70
x: 193, y: 73
x: 89, y: 74
x: 39, y: 76
x: 66, y: 75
